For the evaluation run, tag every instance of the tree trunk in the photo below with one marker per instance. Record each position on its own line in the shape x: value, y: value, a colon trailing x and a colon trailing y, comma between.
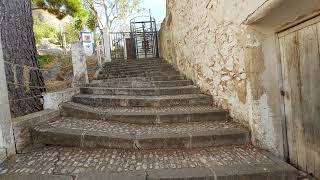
x: 24, y: 79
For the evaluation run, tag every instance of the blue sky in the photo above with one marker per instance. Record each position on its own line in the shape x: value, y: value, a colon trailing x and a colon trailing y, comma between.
x: 157, y: 7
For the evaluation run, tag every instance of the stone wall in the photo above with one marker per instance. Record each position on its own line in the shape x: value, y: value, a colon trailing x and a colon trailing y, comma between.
x: 208, y: 41
x: 54, y: 99
x: 22, y: 127
x: 229, y: 48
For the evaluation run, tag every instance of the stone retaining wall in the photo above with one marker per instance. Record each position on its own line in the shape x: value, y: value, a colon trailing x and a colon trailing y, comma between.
x: 22, y: 127
x: 54, y: 99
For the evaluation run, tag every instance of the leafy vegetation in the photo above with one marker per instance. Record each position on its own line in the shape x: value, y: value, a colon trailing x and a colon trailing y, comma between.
x: 62, y: 8
x: 43, y: 60
x: 71, y: 34
x: 43, y: 30
x: 46, y: 61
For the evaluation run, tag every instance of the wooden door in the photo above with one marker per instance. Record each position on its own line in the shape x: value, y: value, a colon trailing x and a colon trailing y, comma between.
x: 300, y: 58
x: 130, y: 49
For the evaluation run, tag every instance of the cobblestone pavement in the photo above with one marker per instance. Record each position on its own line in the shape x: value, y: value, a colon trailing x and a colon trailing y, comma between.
x: 72, y: 161
x: 100, y: 126
x: 148, y: 110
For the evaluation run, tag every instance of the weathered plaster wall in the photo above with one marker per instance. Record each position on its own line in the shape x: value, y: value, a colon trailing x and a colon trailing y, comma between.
x: 54, y: 99
x: 6, y: 132
x: 206, y: 40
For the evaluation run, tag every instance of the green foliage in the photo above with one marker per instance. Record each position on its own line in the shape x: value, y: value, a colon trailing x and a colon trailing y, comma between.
x: 92, y: 21
x: 46, y: 61
x: 43, y: 30
x: 62, y: 8
x: 72, y: 35
x: 43, y: 60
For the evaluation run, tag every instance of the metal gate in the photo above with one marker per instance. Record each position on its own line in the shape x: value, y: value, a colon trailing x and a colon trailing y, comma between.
x: 118, y: 44
x: 140, y: 43
x: 145, y: 36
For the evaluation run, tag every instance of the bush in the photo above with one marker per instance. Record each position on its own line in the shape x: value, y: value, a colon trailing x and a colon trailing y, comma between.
x: 42, y: 30
x: 43, y: 60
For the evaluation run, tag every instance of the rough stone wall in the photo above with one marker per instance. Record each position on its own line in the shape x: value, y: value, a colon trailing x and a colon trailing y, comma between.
x: 206, y: 40
x: 22, y: 127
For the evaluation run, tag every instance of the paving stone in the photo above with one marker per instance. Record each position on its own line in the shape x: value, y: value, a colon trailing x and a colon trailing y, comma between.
x: 153, y: 78
x: 126, y: 71
x: 142, y: 101
x: 35, y: 177
x: 97, y: 133
x: 202, y: 173
x: 138, y: 74
x: 134, y: 69
x: 136, y: 175
x: 139, y: 115
x: 141, y: 84
x: 224, y: 161
x: 141, y: 91
x: 257, y: 171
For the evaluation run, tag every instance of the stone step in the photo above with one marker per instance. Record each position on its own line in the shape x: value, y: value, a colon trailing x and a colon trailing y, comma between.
x: 136, y: 66
x: 223, y: 162
x: 140, y: 61
x: 141, y: 91
x: 142, y: 101
x: 135, y: 61
x: 141, y: 84
x: 147, y: 72
x: 142, y: 74
x: 181, y: 114
x: 142, y: 65
x: 103, y: 134
x: 148, y: 79
x: 148, y: 68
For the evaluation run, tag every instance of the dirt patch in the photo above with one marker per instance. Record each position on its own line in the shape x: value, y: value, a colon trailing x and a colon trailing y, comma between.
x: 58, y: 71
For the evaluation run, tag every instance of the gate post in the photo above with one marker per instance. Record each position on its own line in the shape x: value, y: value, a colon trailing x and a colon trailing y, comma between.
x: 7, y: 144
x: 80, y: 74
x: 106, y: 44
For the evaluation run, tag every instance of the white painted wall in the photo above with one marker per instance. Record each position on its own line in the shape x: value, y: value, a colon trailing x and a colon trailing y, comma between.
x: 7, y: 146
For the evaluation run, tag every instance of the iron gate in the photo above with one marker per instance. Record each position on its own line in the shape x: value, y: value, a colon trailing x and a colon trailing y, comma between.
x: 145, y: 36
x: 118, y: 44
x: 140, y: 43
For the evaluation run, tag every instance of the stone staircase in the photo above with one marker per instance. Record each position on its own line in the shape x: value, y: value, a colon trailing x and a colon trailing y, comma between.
x: 142, y: 119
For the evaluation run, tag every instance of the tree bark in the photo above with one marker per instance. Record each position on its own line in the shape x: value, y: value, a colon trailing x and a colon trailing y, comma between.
x: 24, y: 79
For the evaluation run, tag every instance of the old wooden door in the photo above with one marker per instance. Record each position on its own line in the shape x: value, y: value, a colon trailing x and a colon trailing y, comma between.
x: 130, y: 49
x: 300, y: 58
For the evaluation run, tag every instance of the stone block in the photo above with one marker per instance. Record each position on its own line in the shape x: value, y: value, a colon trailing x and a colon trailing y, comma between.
x: 184, y: 173
x: 135, y: 175
x: 22, y: 127
x: 54, y: 99
x: 80, y: 73
x: 35, y: 177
